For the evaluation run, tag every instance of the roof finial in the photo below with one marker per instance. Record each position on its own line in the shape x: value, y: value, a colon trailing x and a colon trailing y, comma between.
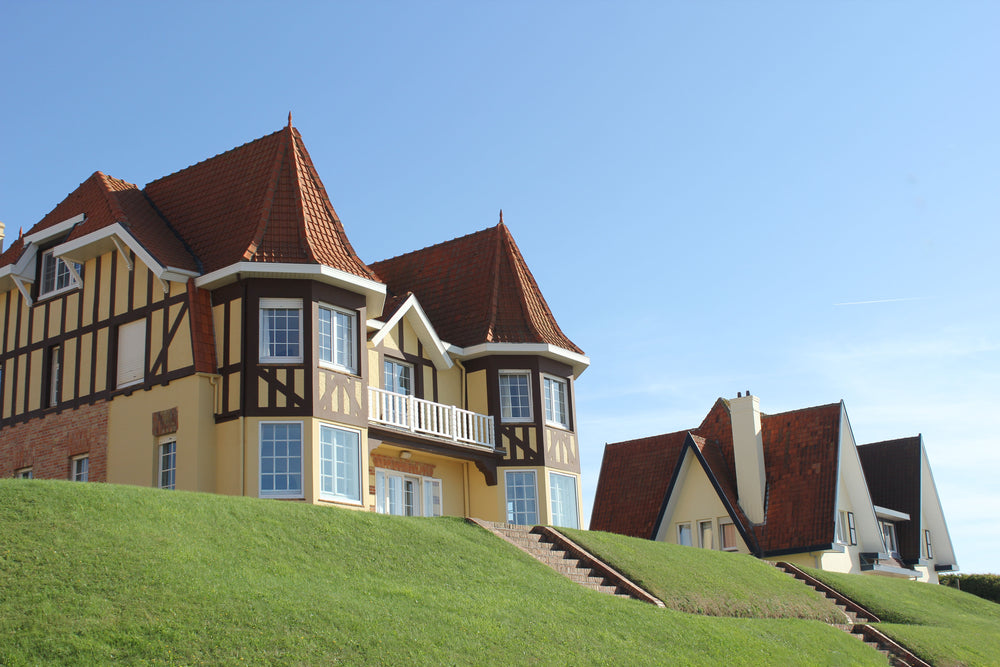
x: 501, y: 217
x: 289, y: 119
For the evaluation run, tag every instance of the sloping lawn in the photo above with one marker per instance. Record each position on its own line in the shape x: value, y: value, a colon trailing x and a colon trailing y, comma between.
x: 703, y: 581
x: 94, y: 573
x: 942, y: 625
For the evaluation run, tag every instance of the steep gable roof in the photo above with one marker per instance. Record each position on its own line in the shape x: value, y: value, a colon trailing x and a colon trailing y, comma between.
x: 892, y: 471
x: 260, y: 202
x: 476, y: 289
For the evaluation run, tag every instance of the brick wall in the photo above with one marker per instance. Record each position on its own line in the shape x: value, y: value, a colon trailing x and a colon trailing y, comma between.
x: 47, y: 444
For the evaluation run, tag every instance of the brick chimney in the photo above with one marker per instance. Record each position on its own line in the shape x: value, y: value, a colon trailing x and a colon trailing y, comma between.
x: 748, y: 453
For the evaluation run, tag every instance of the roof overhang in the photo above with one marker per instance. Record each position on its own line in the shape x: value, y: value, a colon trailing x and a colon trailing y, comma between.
x: 373, y: 291
x: 577, y: 361
x: 118, y: 237
x: 890, y: 515
x: 52, y: 231
x: 890, y: 571
x: 415, y: 315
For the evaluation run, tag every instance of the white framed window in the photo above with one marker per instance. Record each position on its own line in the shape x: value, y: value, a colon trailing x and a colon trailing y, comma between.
x: 684, y: 534
x: 555, y: 392
x: 167, y: 464
x: 339, y: 464
x: 562, y: 489
x: 56, y: 275
x: 889, y: 536
x: 281, y: 459
x: 131, y: 353
x: 280, y: 331
x: 846, y: 533
x: 852, y: 534
x: 705, y: 535
x: 728, y: 540
x: 24, y: 473
x: 398, y: 377
x: 406, y: 495
x: 337, y: 338
x: 522, y: 497
x: 515, y: 396
x: 927, y: 544
x: 79, y: 468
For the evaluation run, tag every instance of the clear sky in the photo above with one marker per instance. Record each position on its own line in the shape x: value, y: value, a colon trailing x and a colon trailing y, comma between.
x: 799, y: 199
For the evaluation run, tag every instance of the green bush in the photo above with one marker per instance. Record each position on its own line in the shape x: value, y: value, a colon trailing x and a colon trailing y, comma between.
x: 986, y: 586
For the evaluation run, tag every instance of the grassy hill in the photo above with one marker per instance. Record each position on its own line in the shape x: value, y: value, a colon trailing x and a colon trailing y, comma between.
x: 94, y: 573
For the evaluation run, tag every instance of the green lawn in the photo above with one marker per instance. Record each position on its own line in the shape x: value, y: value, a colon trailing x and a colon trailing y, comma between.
x: 94, y: 573
x: 703, y: 581
x: 942, y: 625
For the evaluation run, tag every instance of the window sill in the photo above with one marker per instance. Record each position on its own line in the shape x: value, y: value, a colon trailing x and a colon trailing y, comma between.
x: 522, y: 420
x: 561, y: 427
x: 280, y: 361
x: 55, y: 293
x: 327, y: 366
x: 341, y: 501
x: 282, y: 497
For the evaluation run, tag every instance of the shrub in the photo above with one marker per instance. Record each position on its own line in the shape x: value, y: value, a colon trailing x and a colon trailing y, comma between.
x: 986, y: 586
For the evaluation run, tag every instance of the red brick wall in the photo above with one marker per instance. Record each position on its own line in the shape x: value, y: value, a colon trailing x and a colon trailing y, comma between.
x: 46, y: 444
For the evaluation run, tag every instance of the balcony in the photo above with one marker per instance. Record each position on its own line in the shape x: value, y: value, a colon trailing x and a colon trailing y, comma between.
x: 447, y: 422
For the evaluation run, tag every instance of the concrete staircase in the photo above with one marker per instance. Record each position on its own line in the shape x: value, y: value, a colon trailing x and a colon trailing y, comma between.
x: 568, y: 559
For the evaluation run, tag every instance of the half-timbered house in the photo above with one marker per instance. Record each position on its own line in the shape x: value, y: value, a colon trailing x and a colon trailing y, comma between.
x: 216, y: 331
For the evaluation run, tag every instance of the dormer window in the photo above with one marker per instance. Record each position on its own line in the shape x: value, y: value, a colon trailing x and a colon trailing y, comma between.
x: 56, y: 275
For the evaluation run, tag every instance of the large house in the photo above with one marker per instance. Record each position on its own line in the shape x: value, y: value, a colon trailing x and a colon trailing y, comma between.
x: 215, y: 331
x: 792, y: 487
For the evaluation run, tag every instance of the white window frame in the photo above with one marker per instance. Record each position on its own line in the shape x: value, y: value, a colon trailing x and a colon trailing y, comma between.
x: 161, y: 450
x: 392, y: 385
x: 24, y: 473
x: 79, y: 468
x: 265, y: 356
x: 556, y: 498
x: 681, y: 528
x: 888, y: 529
x: 506, y: 412
x: 927, y: 544
x: 508, y: 485
x: 131, y: 360
x: 550, y: 382
x: 424, y: 497
x: 280, y: 493
x: 55, y: 374
x: 330, y: 474
x: 333, y: 356
x: 701, y: 534
x: 723, y: 524
x: 67, y: 273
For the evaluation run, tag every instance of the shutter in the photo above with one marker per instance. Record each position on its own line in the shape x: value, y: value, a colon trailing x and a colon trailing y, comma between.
x: 131, y: 352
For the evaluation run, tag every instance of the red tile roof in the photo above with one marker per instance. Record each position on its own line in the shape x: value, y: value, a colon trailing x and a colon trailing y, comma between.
x: 260, y: 202
x: 892, y: 470
x: 476, y: 289
x: 800, y: 453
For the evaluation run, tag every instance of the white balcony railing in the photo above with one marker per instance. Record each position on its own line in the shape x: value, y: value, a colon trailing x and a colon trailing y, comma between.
x: 436, y: 419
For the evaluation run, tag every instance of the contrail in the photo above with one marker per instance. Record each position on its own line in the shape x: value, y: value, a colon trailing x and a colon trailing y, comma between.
x: 862, y: 303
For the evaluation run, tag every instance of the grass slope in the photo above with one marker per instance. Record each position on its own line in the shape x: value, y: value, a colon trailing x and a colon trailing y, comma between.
x: 942, y: 625
x: 94, y: 573
x: 706, y: 581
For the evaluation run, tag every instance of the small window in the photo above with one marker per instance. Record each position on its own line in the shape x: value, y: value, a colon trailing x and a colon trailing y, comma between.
x: 55, y: 373
x: 24, y: 473
x: 281, y: 459
x: 168, y: 465
x: 281, y: 331
x: 705, y: 535
x: 555, y: 401
x: 522, y: 497
x: 335, y: 333
x: 131, y: 353
x: 79, y: 470
x: 564, y: 505
x: 398, y: 377
x: 684, y: 534
x: 927, y: 544
x: 889, y: 536
x: 852, y: 533
x: 515, y: 396
x: 727, y: 536
x: 339, y: 461
x: 56, y: 276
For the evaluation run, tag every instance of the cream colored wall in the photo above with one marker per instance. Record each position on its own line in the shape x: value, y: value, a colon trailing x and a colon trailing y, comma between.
x: 485, y: 502
x: 229, y: 439
x: 477, y: 392
x: 133, y: 449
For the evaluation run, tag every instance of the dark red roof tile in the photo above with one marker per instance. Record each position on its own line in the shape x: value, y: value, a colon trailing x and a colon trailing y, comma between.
x: 892, y: 470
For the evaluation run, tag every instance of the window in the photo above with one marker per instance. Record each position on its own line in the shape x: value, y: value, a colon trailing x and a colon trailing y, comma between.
x: 564, y: 506
x: 79, y: 470
x: 927, y: 543
x: 336, y: 338
x: 168, y: 465
x: 522, y: 497
x: 852, y: 534
x: 54, y: 358
x: 281, y: 459
x: 727, y: 536
x: 515, y: 396
x: 56, y: 276
x: 406, y: 495
x: 24, y: 473
x: 845, y: 528
x: 889, y: 535
x: 555, y: 401
x: 281, y: 330
x: 131, y: 353
x: 705, y: 535
x: 684, y: 534
x: 339, y: 461
x: 398, y: 377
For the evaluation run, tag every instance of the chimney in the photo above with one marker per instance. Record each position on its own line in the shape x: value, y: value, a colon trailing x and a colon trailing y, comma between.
x: 748, y: 453
x: 1, y: 236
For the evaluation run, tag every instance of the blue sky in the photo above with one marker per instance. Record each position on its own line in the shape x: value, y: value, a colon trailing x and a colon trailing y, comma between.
x: 799, y: 199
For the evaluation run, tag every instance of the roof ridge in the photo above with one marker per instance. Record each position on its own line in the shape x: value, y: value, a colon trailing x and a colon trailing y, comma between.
x: 117, y: 210
x: 213, y: 157
x: 514, y: 255
x: 491, y: 318
x: 305, y: 242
